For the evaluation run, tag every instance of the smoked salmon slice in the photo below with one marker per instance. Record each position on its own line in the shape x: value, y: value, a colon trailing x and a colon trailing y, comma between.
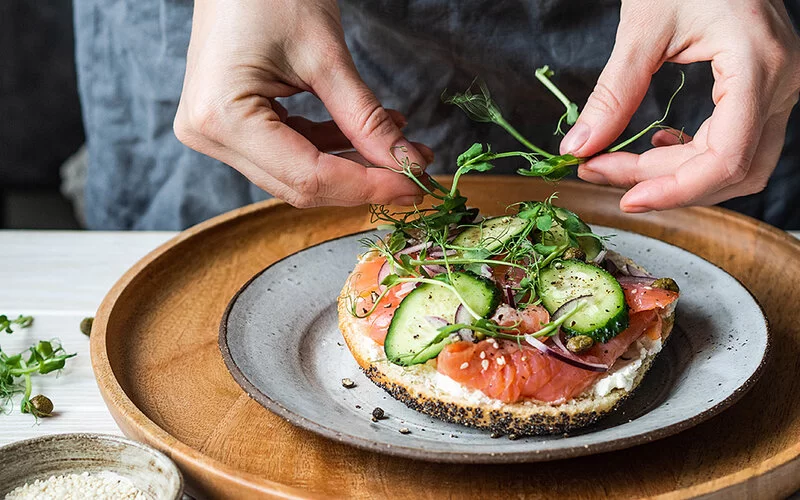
x: 511, y: 371
x: 367, y: 287
x: 641, y: 297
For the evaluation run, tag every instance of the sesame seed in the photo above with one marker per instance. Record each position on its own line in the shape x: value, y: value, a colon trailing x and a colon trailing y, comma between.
x: 464, y: 365
x: 347, y: 383
x: 485, y: 364
x: 501, y: 360
x: 483, y: 354
x: 404, y: 430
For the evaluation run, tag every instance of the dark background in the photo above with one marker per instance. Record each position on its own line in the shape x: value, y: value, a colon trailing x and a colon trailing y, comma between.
x: 40, y: 120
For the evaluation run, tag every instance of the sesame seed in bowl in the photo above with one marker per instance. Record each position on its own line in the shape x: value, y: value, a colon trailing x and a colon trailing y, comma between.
x: 86, y: 466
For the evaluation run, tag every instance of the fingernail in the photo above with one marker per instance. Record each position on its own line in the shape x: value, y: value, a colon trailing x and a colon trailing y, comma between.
x: 408, y: 200
x: 575, y: 139
x: 403, y: 150
x: 634, y: 202
x: 634, y: 209
x: 592, y: 176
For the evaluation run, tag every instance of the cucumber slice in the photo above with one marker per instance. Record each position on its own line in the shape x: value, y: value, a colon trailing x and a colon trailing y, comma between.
x: 410, y: 330
x: 556, y: 236
x: 605, y: 313
x: 492, y: 233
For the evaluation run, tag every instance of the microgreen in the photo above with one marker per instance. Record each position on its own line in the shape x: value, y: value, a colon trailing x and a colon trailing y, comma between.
x: 423, y: 245
x: 8, y: 325
x: 478, y: 105
x: 543, y: 74
x: 17, y: 370
x: 658, y: 123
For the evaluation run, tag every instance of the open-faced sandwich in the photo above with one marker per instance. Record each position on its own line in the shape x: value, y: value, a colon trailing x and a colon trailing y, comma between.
x: 524, y: 323
x: 520, y: 324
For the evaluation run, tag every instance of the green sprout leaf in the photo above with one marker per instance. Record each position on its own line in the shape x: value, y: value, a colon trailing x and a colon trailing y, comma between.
x: 552, y: 169
x: 473, y: 152
x: 544, y: 222
x: 17, y: 370
x: 8, y: 325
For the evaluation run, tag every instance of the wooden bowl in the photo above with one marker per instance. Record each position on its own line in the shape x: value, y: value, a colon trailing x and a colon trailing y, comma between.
x: 155, y: 354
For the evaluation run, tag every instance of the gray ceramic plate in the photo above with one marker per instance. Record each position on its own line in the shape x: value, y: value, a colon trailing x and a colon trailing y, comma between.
x: 280, y: 340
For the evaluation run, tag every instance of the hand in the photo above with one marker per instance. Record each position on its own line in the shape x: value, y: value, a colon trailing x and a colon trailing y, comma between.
x: 243, y: 55
x: 755, y: 57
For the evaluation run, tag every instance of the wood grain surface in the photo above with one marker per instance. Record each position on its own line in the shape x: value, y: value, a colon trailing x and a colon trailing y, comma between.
x: 154, y: 350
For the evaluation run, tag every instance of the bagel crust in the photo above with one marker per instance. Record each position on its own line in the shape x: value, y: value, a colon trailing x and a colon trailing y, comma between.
x: 420, y: 387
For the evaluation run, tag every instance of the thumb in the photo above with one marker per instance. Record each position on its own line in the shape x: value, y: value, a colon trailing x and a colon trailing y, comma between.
x: 618, y: 93
x: 362, y: 118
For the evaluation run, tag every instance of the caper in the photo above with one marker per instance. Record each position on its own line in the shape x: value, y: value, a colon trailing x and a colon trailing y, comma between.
x: 480, y: 336
x: 86, y: 326
x: 666, y: 284
x: 580, y: 343
x: 40, y: 406
x: 574, y: 253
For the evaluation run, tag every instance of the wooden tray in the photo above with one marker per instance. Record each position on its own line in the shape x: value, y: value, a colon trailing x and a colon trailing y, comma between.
x: 155, y: 354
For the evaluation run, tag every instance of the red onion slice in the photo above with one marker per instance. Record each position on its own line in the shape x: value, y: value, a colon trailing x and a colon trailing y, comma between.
x: 510, y: 297
x: 567, y: 307
x: 438, y: 253
x: 415, y: 248
x: 405, y: 288
x: 560, y: 351
x: 486, y: 271
x: 635, y: 280
x: 386, y: 270
x: 577, y: 363
x: 437, y: 321
x: 464, y: 317
x: 433, y: 269
x: 637, y: 273
x: 609, y: 266
x: 600, y: 256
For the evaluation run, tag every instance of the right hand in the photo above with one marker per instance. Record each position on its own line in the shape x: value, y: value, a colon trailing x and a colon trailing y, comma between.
x: 242, y: 56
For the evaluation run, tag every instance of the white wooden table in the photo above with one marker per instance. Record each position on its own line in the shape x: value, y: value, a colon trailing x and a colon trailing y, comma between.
x: 60, y: 277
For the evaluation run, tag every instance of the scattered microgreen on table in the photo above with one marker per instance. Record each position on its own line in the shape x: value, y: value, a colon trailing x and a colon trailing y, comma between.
x: 16, y: 371
x: 8, y: 325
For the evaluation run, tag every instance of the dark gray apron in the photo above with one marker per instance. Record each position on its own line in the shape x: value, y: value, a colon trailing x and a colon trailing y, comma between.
x: 131, y: 61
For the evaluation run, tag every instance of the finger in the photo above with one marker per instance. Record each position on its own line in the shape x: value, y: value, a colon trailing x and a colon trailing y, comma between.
x: 670, y: 137
x: 362, y: 119
x: 733, y: 132
x: 764, y: 162
x: 625, y: 170
x: 265, y: 181
x: 327, y: 136
x: 637, y: 54
x: 274, y: 147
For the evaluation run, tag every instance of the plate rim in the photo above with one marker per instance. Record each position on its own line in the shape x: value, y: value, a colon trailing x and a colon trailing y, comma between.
x: 484, y: 457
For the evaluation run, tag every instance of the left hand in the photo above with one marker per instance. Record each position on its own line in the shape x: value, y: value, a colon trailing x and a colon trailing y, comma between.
x: 755, y: 58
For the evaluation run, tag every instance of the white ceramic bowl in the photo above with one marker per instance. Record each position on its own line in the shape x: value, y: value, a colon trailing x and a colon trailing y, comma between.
x: 147, y: 468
